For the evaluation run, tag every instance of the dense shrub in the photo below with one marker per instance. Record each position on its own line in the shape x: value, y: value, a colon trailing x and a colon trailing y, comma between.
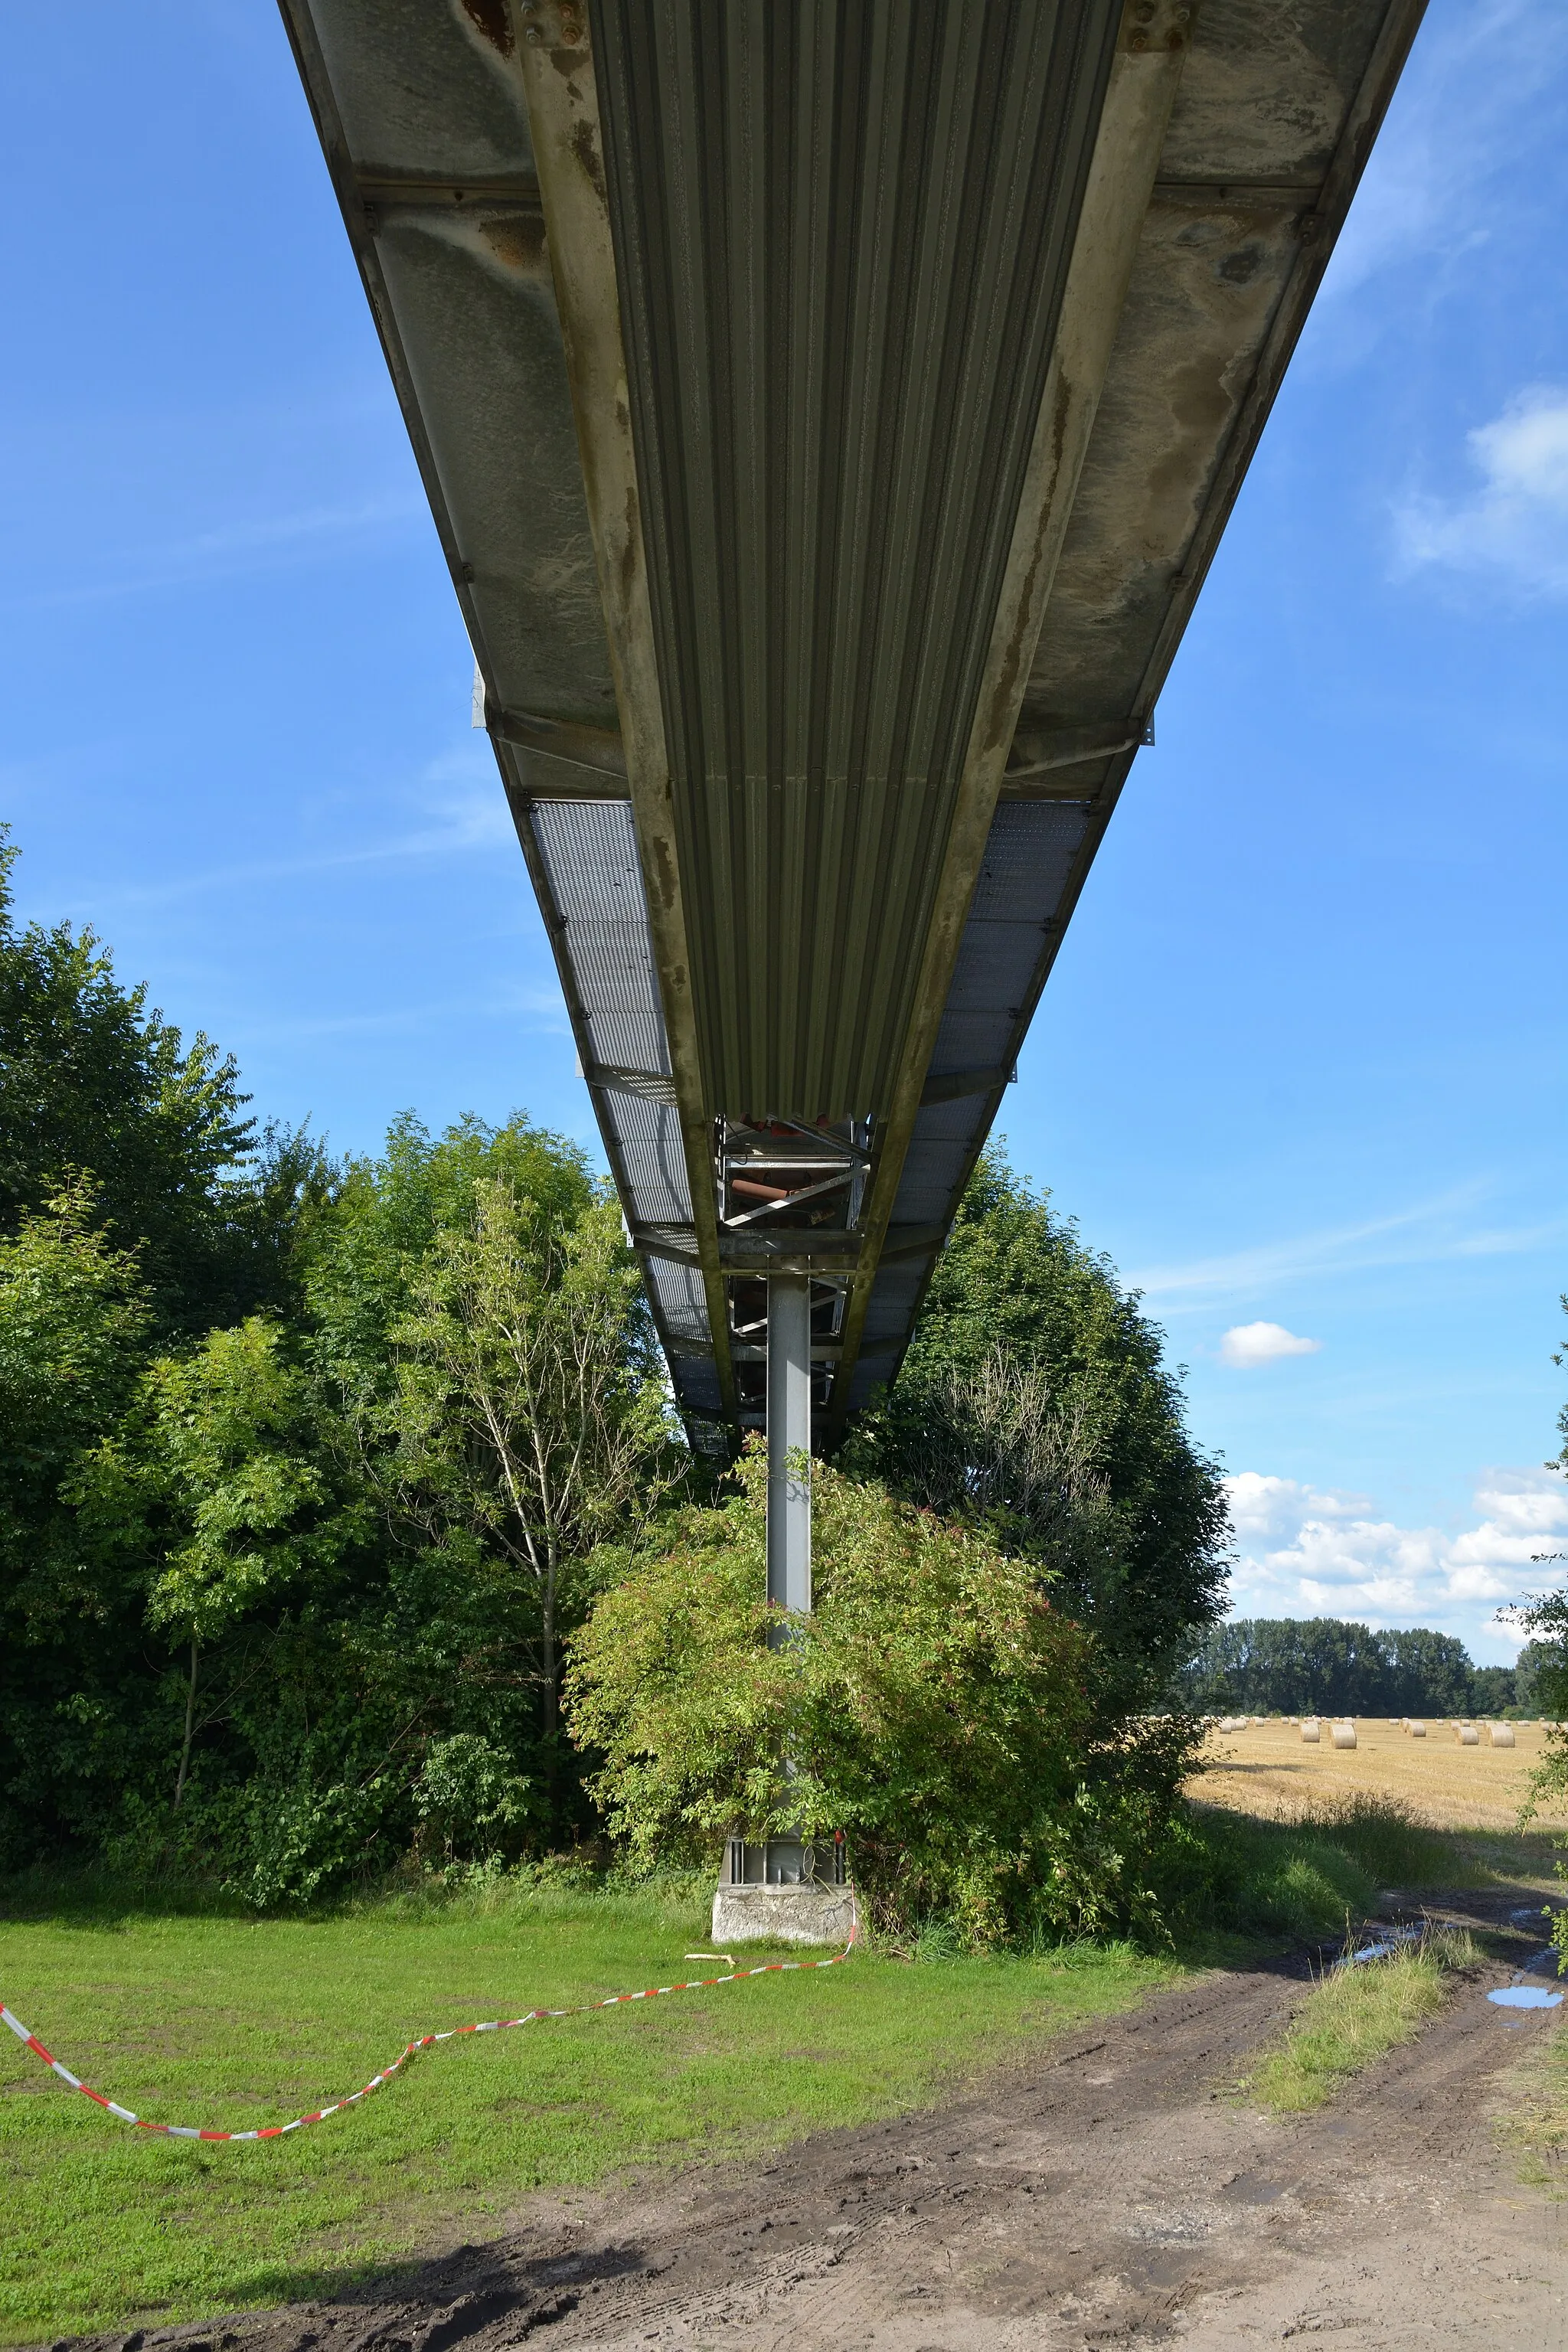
x: 935, y: 1706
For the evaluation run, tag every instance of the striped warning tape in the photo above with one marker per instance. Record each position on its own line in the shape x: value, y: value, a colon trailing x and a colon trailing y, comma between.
x: 426, y: 2042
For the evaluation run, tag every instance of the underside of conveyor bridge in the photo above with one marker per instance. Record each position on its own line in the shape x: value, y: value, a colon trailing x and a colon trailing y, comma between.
x: 829, y: 410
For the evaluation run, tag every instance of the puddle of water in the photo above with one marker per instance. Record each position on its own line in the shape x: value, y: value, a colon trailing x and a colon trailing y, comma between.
x: 1525, y: 1997
x: 1389, y: 1940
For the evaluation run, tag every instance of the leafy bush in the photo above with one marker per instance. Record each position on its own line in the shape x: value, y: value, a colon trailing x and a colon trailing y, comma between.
x: 935, y: 1706
x: 469, y: 1794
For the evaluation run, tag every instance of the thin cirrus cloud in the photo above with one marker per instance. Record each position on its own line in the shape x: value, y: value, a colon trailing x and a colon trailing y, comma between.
x: 1305, y: 1551
x: 1515, y: 524
x: 1444, y: 1227
x: 1248, y: 1345
x: 1474, y: 91
x: 228, y: 550
x: 463, y: 821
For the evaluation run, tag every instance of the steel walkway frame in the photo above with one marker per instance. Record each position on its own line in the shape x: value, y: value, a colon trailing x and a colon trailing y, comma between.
x: 829, y: 411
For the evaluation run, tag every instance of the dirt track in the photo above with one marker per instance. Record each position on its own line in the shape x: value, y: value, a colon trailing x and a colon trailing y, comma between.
x: 1113, y: 2192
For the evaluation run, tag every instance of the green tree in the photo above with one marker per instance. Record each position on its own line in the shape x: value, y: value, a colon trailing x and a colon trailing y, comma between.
x: 1287, y: 1665
x: 73, y: 1320
x: 1493, y: 1690
x: 92, y: 1083
x: 1544, y: 1618
x: 529, y: 1417
x: 216, y: 1481
x: 1540, y: 1684
x: 73, y: 1315
x: 1089, y: 1456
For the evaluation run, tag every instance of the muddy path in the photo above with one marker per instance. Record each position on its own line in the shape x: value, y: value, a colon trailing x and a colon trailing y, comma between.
x: 1113, y: 2191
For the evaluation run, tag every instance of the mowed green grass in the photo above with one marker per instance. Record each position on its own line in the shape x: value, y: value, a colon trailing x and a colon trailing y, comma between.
x: 230, y: 2023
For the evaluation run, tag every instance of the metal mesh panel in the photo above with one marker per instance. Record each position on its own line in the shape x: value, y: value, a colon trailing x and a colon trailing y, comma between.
x: 696, y: 1385
x: 589, y: 849
x: 613, y: 965
x: 949, y: 1122
x: 893, y: 1299
x: 649, y: 1135
x: 974, y: 1041
x: 627, y: 1041
x: 679, y: 1295
x: 996, y: 966
x: 931, y: 1176
x: 590, y: 853
x: 1028, y: 856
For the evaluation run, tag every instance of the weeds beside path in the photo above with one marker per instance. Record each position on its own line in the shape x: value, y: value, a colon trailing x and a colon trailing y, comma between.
x: 1355, y: 2015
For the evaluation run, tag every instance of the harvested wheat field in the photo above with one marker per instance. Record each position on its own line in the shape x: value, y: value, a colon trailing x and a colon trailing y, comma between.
x: 1271, y: 1770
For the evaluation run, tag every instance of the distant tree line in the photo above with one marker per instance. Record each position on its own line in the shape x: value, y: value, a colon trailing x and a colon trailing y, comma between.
x: 1293, y: 1665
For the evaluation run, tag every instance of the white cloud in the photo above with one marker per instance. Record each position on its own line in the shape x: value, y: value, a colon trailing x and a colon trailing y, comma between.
x: 1248, y: 1345
x: 1517, y: 523
x: 1305, y: 1552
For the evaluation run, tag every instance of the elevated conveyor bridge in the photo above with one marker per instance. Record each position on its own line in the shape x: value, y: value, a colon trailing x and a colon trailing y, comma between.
x: 829, y: 409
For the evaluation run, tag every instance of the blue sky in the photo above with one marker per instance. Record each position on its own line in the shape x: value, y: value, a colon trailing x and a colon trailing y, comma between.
x: 1300, y: 1068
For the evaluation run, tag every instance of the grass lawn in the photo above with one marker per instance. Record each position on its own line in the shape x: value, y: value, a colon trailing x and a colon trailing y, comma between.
x: 232, y: 2021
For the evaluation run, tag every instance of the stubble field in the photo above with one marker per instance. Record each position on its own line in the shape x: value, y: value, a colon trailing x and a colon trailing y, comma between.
x: 1270, y: 1771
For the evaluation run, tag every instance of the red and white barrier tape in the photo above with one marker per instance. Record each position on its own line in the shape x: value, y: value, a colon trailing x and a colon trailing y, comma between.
x: 426, y: 2042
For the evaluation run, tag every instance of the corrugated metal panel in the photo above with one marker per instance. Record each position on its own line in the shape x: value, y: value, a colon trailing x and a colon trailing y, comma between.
x: 841, y: 239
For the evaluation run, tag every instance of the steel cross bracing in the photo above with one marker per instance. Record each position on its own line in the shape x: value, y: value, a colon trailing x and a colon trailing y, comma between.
x: 829, y: 413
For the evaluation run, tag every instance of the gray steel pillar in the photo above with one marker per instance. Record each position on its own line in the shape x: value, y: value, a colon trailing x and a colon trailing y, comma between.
x: 787, y: 1887
x: 789, y: 1432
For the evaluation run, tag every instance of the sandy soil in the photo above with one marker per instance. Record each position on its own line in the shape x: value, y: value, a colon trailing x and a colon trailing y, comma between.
x: 1116, y: 2191
x: 1270, y: 1769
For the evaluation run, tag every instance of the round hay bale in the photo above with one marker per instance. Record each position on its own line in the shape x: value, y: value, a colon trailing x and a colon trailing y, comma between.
x: 1309, y: 1731
x: 1344, y: 1735
x: 1417, y: 1730
x: 1502, y: 1735
x: 1467, y: 1735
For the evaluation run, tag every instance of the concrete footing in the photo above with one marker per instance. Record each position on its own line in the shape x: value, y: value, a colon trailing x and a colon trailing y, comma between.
x: 814, y: 1913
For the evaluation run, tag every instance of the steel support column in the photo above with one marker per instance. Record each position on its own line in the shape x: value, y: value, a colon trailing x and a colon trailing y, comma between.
x: 789, y: 1441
